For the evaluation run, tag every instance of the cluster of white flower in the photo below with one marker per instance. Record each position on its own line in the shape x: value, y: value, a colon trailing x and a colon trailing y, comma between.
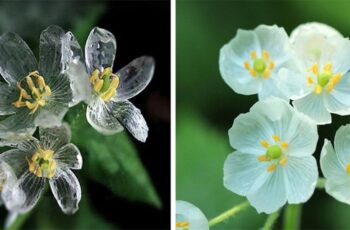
x: 38, y: 95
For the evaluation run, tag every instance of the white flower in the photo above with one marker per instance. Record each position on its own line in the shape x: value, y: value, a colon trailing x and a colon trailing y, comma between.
x: 319, y: 82
x: 250, y: 62
x: 335, y: 165
x: 273, y: 162
x: 190, y: 217
x: 33, y: 94
x: 108, y: 93
x: 35, y: 162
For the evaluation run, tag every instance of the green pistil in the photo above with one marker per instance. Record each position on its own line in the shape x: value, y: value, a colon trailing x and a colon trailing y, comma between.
x: 259, y: 65
x: 324, y: 77
x: 274, y: 152
x: 106, y: 83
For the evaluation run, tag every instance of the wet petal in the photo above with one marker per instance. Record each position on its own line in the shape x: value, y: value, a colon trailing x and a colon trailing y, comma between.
x: 301, y: 175
x: 56, y: 137
x: 100, y: 49
x: 66, y: 189
x: 16, y: 58
x: 50, y: 54
x: 8, y: 95
x: 17, y: 160
x: 187, y: 212
x: 71, y: 50
x: 134, y: 77
x: 69, y: 156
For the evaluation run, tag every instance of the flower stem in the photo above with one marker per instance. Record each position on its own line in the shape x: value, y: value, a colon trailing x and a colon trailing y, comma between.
x: 229, y: 213
x: 292, y: 214
x: 271, y: 220
x: 321, y: 183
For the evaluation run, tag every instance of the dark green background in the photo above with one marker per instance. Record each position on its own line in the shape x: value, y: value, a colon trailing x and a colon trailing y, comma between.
x: 206, y: 106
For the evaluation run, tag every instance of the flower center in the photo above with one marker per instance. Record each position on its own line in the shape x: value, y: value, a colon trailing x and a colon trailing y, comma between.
x: 42, y: 163
x: 38, y: 92
x: 261, y: 66
x: 325, y: 78
x: 274, y: 153
x: 104, y: 83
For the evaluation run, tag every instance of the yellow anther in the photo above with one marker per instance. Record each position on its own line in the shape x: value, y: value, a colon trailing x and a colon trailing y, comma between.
x: 266, y: 73
x: 330, y: 86
x: 42, y: 163
x: 247, y: 65
x: 272, y: 167
x: 39, y: 172
x: 265, y: 55
x: 336, y: 78
x: 30, y: 105
x: 47, y: 91
x: 94, y: 76
x: 276, y: 138
x: 253, y: 55
x: 348, y: 168
x: 107, y: 72
x: 252, y: 73
x: 318, y: 89
x: 327, y: 67
x: 310, y: 81
x: 108, y: 94
x: 314, y: 69
x: 284, y: 144
x: 98, y: 85
x: 262, y: 158
x: 182, y: 224
x: 41, y: 82
x: 35, y: 156
x: 46, y: 154
x: 115, y: 81
x: 271, y: 65
x: 30, y: 82
x: 264, y: 143
x: 283, y: 161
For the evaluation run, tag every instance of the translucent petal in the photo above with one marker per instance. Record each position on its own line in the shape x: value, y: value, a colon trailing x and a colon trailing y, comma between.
x: 50, y: 48
x: 55, y: 138
x: 10, y: 219
x: 134, y: 77
x: 71, y: 50
x: 332, y: 167
x: 342, y: 144
x: 16, y: 58
x: 69, y: 156
x: 271, y: 195
x: 313, y: 106
x: 30, y: 145
x: 100, y: 49
x: 8, y: 177
x: 17, y: 160
x: 66, y: 189
x: 8, y: 95
x: 241, y: 171
x: 101, y: 118
x: 338, y: 100
x: 301, y: 175
x: 25, y: 193
x: 186, y: 211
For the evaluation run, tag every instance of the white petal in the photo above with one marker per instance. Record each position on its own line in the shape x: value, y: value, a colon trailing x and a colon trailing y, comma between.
x: 241, y: 171
x: 50, y: 51
x: 270, y: 89
x: 301, y: 175
x: 66, y: 189
x: 338, y: 100
x: 56, y: 137
x: 101, y: 118
x: 69, y: 156
x: 271, y: 195
x: 16, y: 58
x: 342, y: 144
x: 10, y: 219
x: 186, y: 211
x: 313, y: 106
x: 100, y: 49
x: 331, y: 166
x: 134, y: 77
x: 338, y: 57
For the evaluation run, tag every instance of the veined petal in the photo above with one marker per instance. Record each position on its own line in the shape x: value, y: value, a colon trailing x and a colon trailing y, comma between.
x: 339, y: 189
x: 66, y: 189
x: 50, y: 55
x: 8, y: 95
x: 69, y: 156
x: 100, y: 117
x: 331, y: 166
x: 339, y: 56
x: 17, y: 160
x: 270, y: 89
x: 313, y: 106
x: 241, y: 171
x: 55, y: 138
x: 71, y: 50
x: 338, y: 100
x: 300, y: 178
x: 342, y: 144
x: 100, y: 49
x: 16, y: 58
x: 187, y: 212
x: 134, y: 77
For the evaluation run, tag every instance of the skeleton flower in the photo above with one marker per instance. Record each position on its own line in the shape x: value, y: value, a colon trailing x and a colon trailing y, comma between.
x: 250, y: 62
x: 319, y: 82
x: 33, y: 94
x: 273, y: 162
x: 108, y: 106
x: 335, y: 165
x: 190, y: 217
x: 35, y: 162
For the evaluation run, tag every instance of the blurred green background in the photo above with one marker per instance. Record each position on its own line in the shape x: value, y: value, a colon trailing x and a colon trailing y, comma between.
x: 206, y: 106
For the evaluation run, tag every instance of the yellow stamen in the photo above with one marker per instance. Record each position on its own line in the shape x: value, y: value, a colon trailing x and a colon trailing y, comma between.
x: 253, y: 73
x: 276, y: 138
x: 283, y: 161
x: 265, y: 55
x: 318, y: 89
x: 264, y: 143
x: 271, y: 65
x: 94, y: 76
x: 98, y: 85
x: 310, y: 81
x: 266, y: 73
x: 47, y: 91
x: 253, y: 55
x: 348, y: 168
x: 115, y: 81
x: 272, y: 167
x: 247, y: 65
x: 327, y: 67
x: 314, y: 69
x: 262, y: 158
x: 330, y: 86
x: 182, y: 224
x: 336, y: 78
x: 284, y: 144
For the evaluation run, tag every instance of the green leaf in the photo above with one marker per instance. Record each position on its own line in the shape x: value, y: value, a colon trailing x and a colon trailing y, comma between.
x: 113, y: 161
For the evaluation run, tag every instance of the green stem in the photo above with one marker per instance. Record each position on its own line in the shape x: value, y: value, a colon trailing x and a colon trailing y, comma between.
x: 271, y: 220
x: 229, y: 213
x: 321, y: 183
x: 292, y: 215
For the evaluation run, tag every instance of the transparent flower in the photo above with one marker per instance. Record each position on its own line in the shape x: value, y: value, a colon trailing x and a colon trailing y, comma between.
x: 319, y: 82
x: 33, y: 94
x: 108, y: 93
x: 273, y: 162
x: 190, y: 217
x: 35, y: 162
x: 250, y: 62
x: 335, y: 165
